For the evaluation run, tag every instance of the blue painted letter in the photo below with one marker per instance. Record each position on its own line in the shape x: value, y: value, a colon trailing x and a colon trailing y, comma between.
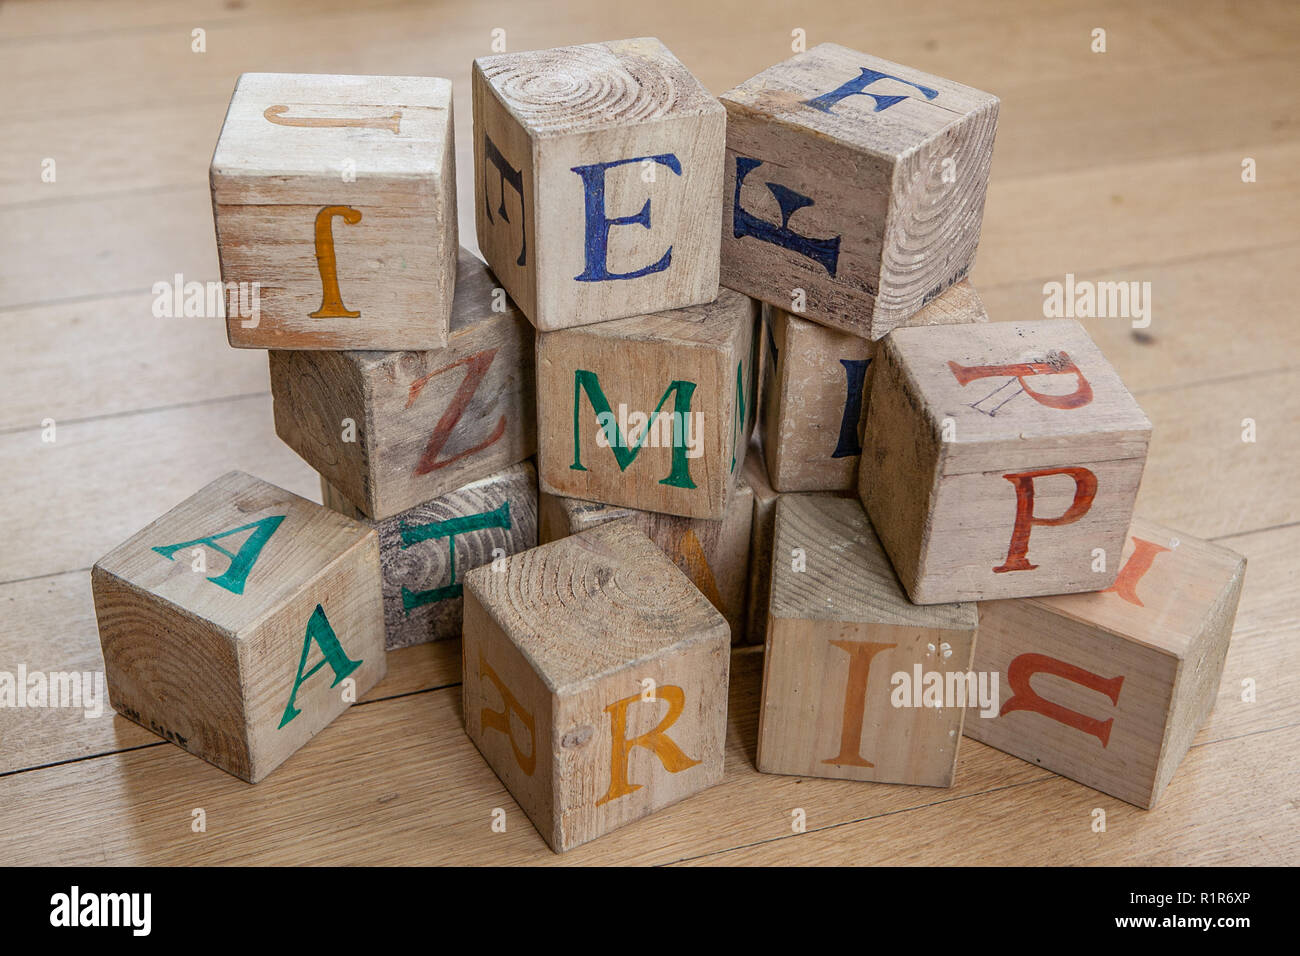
x: 824, y: 251
x: 597, y: 240
x: 858, y: 85
x: 855, y: 371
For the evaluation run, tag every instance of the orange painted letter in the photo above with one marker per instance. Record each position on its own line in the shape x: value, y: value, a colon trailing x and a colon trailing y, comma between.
x: 1085, y: 489
x: 331, y: 300
x: 657, y: 741
x: 1081, y: 395
x: 1023, y: 696
x: 500, y: 719
x: 1137, y: 565
x: 855, y: 701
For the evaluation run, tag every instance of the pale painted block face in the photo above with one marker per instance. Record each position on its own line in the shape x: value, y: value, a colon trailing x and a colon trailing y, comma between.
x: 598, y: 175
x: 854, y: 187
x: 1110, y: 688
x: 1000, y: 460
x: 208, y: 619
x: 851, y: 664
x: 595, y: 681
x: 653, y: 412
x: 392, y: 430
x: 335, y: 195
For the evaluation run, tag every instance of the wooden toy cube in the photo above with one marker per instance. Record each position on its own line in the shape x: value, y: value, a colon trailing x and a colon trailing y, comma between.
x: 1110, y: 688
x: 595, y: 681
x: 391, y: 430
x: 713, y: 554
x: 854, y: 187
x: 652, y: 412
x: 241, y: 622
x: 858, y: 682
x: 597, y: 180
x: 760, y: 548
x: 425, y: 551
x: 814, y: 400
x: 760, y: 543
x: 1000, y: 460
x: 336, y: 196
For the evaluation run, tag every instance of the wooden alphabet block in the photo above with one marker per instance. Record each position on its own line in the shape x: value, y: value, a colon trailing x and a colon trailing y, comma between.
x: 858, y: 682
x: 425, y: 552
x: 595, y: 681
x: 760, y: 549
x: 597, y: 180
x: 392, y: 430
x: 209, y: 616
x: 814, y: 399
x: 652, y: 412
x: 713, y: 554
x: 335, y: 205
x: 854, y: 187
x: 760, y: 543
x: 1110, y: 688
x: 1000, y: 460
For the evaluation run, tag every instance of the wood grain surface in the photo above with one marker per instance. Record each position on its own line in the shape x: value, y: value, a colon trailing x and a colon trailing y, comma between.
x: 1125, y: 166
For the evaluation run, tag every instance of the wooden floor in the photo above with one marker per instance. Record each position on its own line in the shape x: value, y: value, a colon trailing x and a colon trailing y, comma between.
x: 1118, y: 165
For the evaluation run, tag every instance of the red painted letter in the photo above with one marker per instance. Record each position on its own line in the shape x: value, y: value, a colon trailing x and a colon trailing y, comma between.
x: 477, y: 366
x: 1085, y: 489
x: 1137, y: 565
x: 1059, y: 364
x: 1024, y: 698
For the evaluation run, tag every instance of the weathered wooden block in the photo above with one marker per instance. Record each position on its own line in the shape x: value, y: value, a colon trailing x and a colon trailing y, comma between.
x: 336, y: 196
x: 760, y: 549
x: 241, y: 622
x: 858, y: 682
x: 597, y: 180
x: 1000, y: 460
x: 391, y: 430
x: 760, y: 543
x: 652, y: 412
x: 713, y: 554
x: 854, y: 187
x: 425, y: 552
x: 595, y: 681
x: 814, y: 399
x: 1110, y: 688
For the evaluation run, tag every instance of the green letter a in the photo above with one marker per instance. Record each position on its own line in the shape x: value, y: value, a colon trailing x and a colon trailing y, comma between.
x: 319, y: 630
x: 240, y: 563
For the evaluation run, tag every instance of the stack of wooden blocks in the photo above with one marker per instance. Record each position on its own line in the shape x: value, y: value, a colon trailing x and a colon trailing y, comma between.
x: 663, y: 263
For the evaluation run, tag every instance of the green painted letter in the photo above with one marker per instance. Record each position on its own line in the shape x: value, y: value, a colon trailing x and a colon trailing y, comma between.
x: 680, y: 474
x: 242, y: 561
x: 319, y: 630
x: 414, y: 534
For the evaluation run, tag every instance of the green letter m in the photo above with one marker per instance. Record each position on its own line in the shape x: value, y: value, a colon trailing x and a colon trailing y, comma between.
x: 680, y: 475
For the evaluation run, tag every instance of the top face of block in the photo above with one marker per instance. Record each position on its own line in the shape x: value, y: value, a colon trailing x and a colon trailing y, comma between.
x: 578, y: 89
x: 306, y: 125
x: 712, y: 325
x: 871, y: 104
x: 594, y: 604
x: 1169, y: 585
x: 1030, y: 385
x: 847, y: 576
x: 275, y: 544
